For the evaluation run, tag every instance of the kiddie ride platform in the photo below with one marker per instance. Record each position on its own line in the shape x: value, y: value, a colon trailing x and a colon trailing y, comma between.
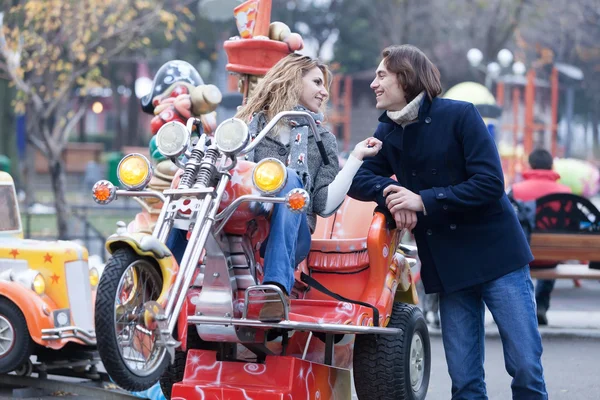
x: 288, y: 369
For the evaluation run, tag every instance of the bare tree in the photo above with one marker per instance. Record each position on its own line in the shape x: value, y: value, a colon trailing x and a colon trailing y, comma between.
x: 53, y: 50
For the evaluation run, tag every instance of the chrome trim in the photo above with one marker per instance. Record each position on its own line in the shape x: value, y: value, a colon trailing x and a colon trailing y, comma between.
x: 187, y: 192
x: 145, y: 181
x: 68, y: 332
x: 191, y: 257
x: 301, y: 192
x: 141, y: 193
x: 111, y: 188
x: 218, y: 290
x: 182, y: 128
x: 241, y: 145
x: 298, y: 326
x: 274, y: 291
x: 79, y: 291
x: 311, y: 123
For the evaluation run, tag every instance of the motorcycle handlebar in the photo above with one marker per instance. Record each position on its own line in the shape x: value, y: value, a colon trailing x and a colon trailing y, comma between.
x: 311, y: 124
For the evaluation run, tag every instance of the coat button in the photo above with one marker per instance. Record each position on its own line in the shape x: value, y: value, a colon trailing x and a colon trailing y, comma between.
x: 414, y: 172
x: 428, y: 120
x: 434, y: 171
x: 429, y: 232
x: 445, y: 207
x: 440, y: 195
x: 282, y: 151
x: 378, y: 186
x: 453, y: 227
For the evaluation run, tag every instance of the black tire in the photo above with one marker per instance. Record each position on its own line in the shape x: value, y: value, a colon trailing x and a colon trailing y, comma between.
x: 174, y: 372
x: 382, y: 363
x: 106, y: 337
x: 19, y: 350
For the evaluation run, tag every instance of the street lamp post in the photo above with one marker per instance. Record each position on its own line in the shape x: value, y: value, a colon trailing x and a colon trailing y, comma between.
x: 494, y: 69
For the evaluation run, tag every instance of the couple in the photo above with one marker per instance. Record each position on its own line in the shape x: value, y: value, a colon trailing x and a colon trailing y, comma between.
x: 449, y: 193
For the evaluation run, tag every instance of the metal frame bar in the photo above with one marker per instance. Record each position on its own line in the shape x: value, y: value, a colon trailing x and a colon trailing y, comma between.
x: 298, y: 326
x: 68, y: 332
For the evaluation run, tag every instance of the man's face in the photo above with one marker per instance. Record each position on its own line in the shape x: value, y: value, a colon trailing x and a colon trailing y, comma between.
x: 388, y: 92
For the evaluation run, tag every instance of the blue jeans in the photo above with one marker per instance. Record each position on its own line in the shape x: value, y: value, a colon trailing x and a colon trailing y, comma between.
x: 288, y: 242
x: 511, y: 301
x: 287, y: 245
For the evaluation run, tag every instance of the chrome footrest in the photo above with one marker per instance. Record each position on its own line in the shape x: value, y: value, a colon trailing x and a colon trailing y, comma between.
x: 265, y: 294
x: 295, y: 325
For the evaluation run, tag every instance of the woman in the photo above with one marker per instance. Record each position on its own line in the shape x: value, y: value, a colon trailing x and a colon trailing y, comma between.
x: 297, y: 83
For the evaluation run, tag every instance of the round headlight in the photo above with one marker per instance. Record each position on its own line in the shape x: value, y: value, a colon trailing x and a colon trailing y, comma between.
x: 94, y: 277
x: 269, y: 175
x: 232, y: 136
x: 39, y: 284
x: 134, y: 171
x: 172, y: 139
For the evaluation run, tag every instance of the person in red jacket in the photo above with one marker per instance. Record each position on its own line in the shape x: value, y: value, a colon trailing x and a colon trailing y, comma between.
x: 540, y: 181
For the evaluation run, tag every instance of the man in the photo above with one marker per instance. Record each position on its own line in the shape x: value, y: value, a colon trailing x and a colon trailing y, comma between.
x: 538, y: 182
x: 450, y: 192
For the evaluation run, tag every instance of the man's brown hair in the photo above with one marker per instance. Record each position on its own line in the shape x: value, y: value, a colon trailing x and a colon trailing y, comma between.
x: 415, y: 72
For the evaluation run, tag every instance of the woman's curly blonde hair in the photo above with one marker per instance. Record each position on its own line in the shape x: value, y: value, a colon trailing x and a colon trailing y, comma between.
x: 280, y: 89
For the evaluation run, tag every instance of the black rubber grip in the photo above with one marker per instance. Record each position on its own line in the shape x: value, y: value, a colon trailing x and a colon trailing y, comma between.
x: 323, y: 152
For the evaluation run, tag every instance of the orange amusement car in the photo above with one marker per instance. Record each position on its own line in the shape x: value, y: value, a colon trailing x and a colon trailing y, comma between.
x: 47, y: 292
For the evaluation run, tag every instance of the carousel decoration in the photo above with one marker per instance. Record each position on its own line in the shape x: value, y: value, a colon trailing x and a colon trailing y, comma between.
x: 178, y: 93
x: 260, y: 44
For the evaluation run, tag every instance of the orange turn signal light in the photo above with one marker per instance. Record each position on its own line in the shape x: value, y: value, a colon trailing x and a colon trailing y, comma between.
x: 297, y: 200
x: 104, y: 192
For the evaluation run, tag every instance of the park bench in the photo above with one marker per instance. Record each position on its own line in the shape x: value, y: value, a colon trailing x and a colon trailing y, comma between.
x: 567, y: 227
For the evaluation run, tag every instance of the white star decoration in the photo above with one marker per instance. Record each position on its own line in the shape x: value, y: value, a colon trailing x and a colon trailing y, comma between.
x: 237, y: 179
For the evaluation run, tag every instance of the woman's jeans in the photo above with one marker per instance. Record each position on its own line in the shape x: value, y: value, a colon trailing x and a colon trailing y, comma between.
x: 511, y: 301
x: 288, y: 242
x: 287, y: 245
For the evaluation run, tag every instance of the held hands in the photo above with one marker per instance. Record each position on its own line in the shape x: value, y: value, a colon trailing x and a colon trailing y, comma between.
x: 367, y: 148
x: 404, y: 205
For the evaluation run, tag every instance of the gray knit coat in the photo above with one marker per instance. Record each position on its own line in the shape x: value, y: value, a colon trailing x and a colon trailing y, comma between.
x: 321, y: 175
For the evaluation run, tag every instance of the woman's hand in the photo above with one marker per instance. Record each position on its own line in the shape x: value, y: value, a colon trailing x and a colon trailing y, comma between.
x: 367, y: 148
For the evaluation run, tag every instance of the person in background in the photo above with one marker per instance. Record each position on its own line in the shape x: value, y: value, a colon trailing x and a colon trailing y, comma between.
x: 540, y: 181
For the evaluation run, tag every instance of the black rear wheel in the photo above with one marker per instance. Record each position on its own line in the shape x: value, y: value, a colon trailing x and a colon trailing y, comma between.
x: 394, y: 366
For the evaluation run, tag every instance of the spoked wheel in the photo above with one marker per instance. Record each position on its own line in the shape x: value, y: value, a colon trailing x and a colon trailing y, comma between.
x: 127, y: 345
x: 394, y: 366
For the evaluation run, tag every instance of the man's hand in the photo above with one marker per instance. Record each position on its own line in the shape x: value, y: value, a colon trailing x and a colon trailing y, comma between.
x: 405, y: 219
x: 402, y: 199
x: 367, y: 148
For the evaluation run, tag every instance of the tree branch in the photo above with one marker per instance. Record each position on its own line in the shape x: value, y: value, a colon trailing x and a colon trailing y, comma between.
x: 37, y: 143
x: 132, y: 32
x: 11, y: 67
x: 60, y: 135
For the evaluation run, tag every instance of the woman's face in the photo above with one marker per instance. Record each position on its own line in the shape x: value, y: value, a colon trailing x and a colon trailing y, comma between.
x: 314, y: 92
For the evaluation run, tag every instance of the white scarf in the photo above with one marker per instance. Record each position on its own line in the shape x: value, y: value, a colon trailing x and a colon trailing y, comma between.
x: 409, y: 113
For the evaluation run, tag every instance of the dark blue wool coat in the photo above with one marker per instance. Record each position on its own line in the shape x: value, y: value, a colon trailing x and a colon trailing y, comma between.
x: 470, y: 234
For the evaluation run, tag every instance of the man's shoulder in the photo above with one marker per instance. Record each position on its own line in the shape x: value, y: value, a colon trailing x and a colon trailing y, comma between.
x: 440, y: 104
